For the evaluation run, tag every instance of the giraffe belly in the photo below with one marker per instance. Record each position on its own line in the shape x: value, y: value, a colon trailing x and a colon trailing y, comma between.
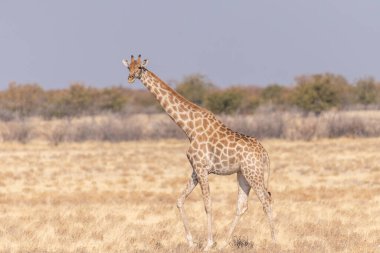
x: 224, y: 168
x: 223, y: 162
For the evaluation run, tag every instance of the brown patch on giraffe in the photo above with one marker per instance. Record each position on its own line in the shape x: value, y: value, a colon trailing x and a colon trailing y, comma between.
x: 224, y: 142
x: 171, y: 99
x: 205, y: 123
x: 198, y: 123
x: 181, y: 124
x: 183, y: 116
x: 219, y: 146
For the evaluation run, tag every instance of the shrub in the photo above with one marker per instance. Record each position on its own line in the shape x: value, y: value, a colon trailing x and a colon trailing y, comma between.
x: 165, y: 129
x: 25, y: 100
x: 367, y: 91
x: 274, y: 94
x: 7, y: 115
x: 195, y: 88
x: 85, y: 131
x: 78, y: 100
x: 111, y: 99
x: 269, y: 125
x: 258, y: 125
x: 59, y: 133
x: 249, y: 96
x: 301, y: 127
x: 318, y: 93
x: 227, y: 101
x: 338, y: 126
x: 117, y: 129
x: 19, y: 130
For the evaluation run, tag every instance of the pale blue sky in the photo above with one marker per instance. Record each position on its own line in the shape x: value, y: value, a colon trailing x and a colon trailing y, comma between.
x: 55, y: 43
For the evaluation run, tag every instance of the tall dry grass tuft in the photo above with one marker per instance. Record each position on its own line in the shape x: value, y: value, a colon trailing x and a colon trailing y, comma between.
x: 338, y: 126
x: 301, y: 127
x: 269, y: 125
x: 17, y: 130
x: 58, y: 133
x: 115, y: 129
x: 165, y: 129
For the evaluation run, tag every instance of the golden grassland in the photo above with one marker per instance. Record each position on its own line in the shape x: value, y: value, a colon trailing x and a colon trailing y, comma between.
x: 121, y: 197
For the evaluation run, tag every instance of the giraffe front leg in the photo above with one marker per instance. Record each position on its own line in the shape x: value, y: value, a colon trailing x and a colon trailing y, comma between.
x: 203, y: 181
x: 193, y: 181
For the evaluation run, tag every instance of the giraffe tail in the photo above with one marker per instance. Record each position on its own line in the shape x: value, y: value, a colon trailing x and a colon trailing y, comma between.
x: 268, y: 174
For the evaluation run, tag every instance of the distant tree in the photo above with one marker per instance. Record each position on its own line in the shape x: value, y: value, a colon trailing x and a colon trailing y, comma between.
x: 367, y: 91
x: 274, y: 94
x: 225, y: 101
x: 81, y: 98
x: 25, y: 99
x: 111, y: 99
x: 77, y: 100
x: 195, y: 88
x: 56, y: 105
x: 320, y: 92
x: 249, y: 96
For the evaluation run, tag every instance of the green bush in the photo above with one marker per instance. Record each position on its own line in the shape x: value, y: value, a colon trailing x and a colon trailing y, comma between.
x: 367, y: 91
x: 77, y: 100
x: 227, y: 101
x: 25, y: 100
x: 274, y: 94
x: 111, y: 99
x: 195, y: 88
x: 321, y: 92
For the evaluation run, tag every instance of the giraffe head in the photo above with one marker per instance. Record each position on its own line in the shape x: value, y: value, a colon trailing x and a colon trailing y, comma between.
x: 136, y: 68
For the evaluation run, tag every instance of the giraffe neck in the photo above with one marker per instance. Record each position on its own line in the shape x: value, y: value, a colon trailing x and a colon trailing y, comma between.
x: 183, y: 112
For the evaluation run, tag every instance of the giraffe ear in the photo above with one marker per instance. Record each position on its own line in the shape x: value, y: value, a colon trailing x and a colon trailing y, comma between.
x: 126, y: 63
x: 145, y: 62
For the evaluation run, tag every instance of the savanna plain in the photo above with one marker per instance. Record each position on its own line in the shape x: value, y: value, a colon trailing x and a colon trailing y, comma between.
x: 121, y: 197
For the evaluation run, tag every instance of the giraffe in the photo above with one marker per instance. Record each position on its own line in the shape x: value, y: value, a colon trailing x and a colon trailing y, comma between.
x: 214, y: 149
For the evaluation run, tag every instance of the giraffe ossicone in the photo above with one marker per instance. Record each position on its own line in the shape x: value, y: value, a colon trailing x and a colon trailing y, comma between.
x: 214, y: 149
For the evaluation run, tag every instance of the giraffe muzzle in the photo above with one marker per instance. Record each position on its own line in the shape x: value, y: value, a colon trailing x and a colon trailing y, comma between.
x: 131, y: 79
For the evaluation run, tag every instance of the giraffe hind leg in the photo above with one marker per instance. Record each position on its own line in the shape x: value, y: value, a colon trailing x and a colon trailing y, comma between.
x: 265, y: 199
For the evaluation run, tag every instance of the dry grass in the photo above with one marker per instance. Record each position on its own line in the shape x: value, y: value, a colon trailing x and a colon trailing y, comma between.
x: 120, y: 197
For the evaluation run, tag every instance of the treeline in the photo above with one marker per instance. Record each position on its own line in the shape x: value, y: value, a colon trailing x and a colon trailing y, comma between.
x: 309, y: 93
